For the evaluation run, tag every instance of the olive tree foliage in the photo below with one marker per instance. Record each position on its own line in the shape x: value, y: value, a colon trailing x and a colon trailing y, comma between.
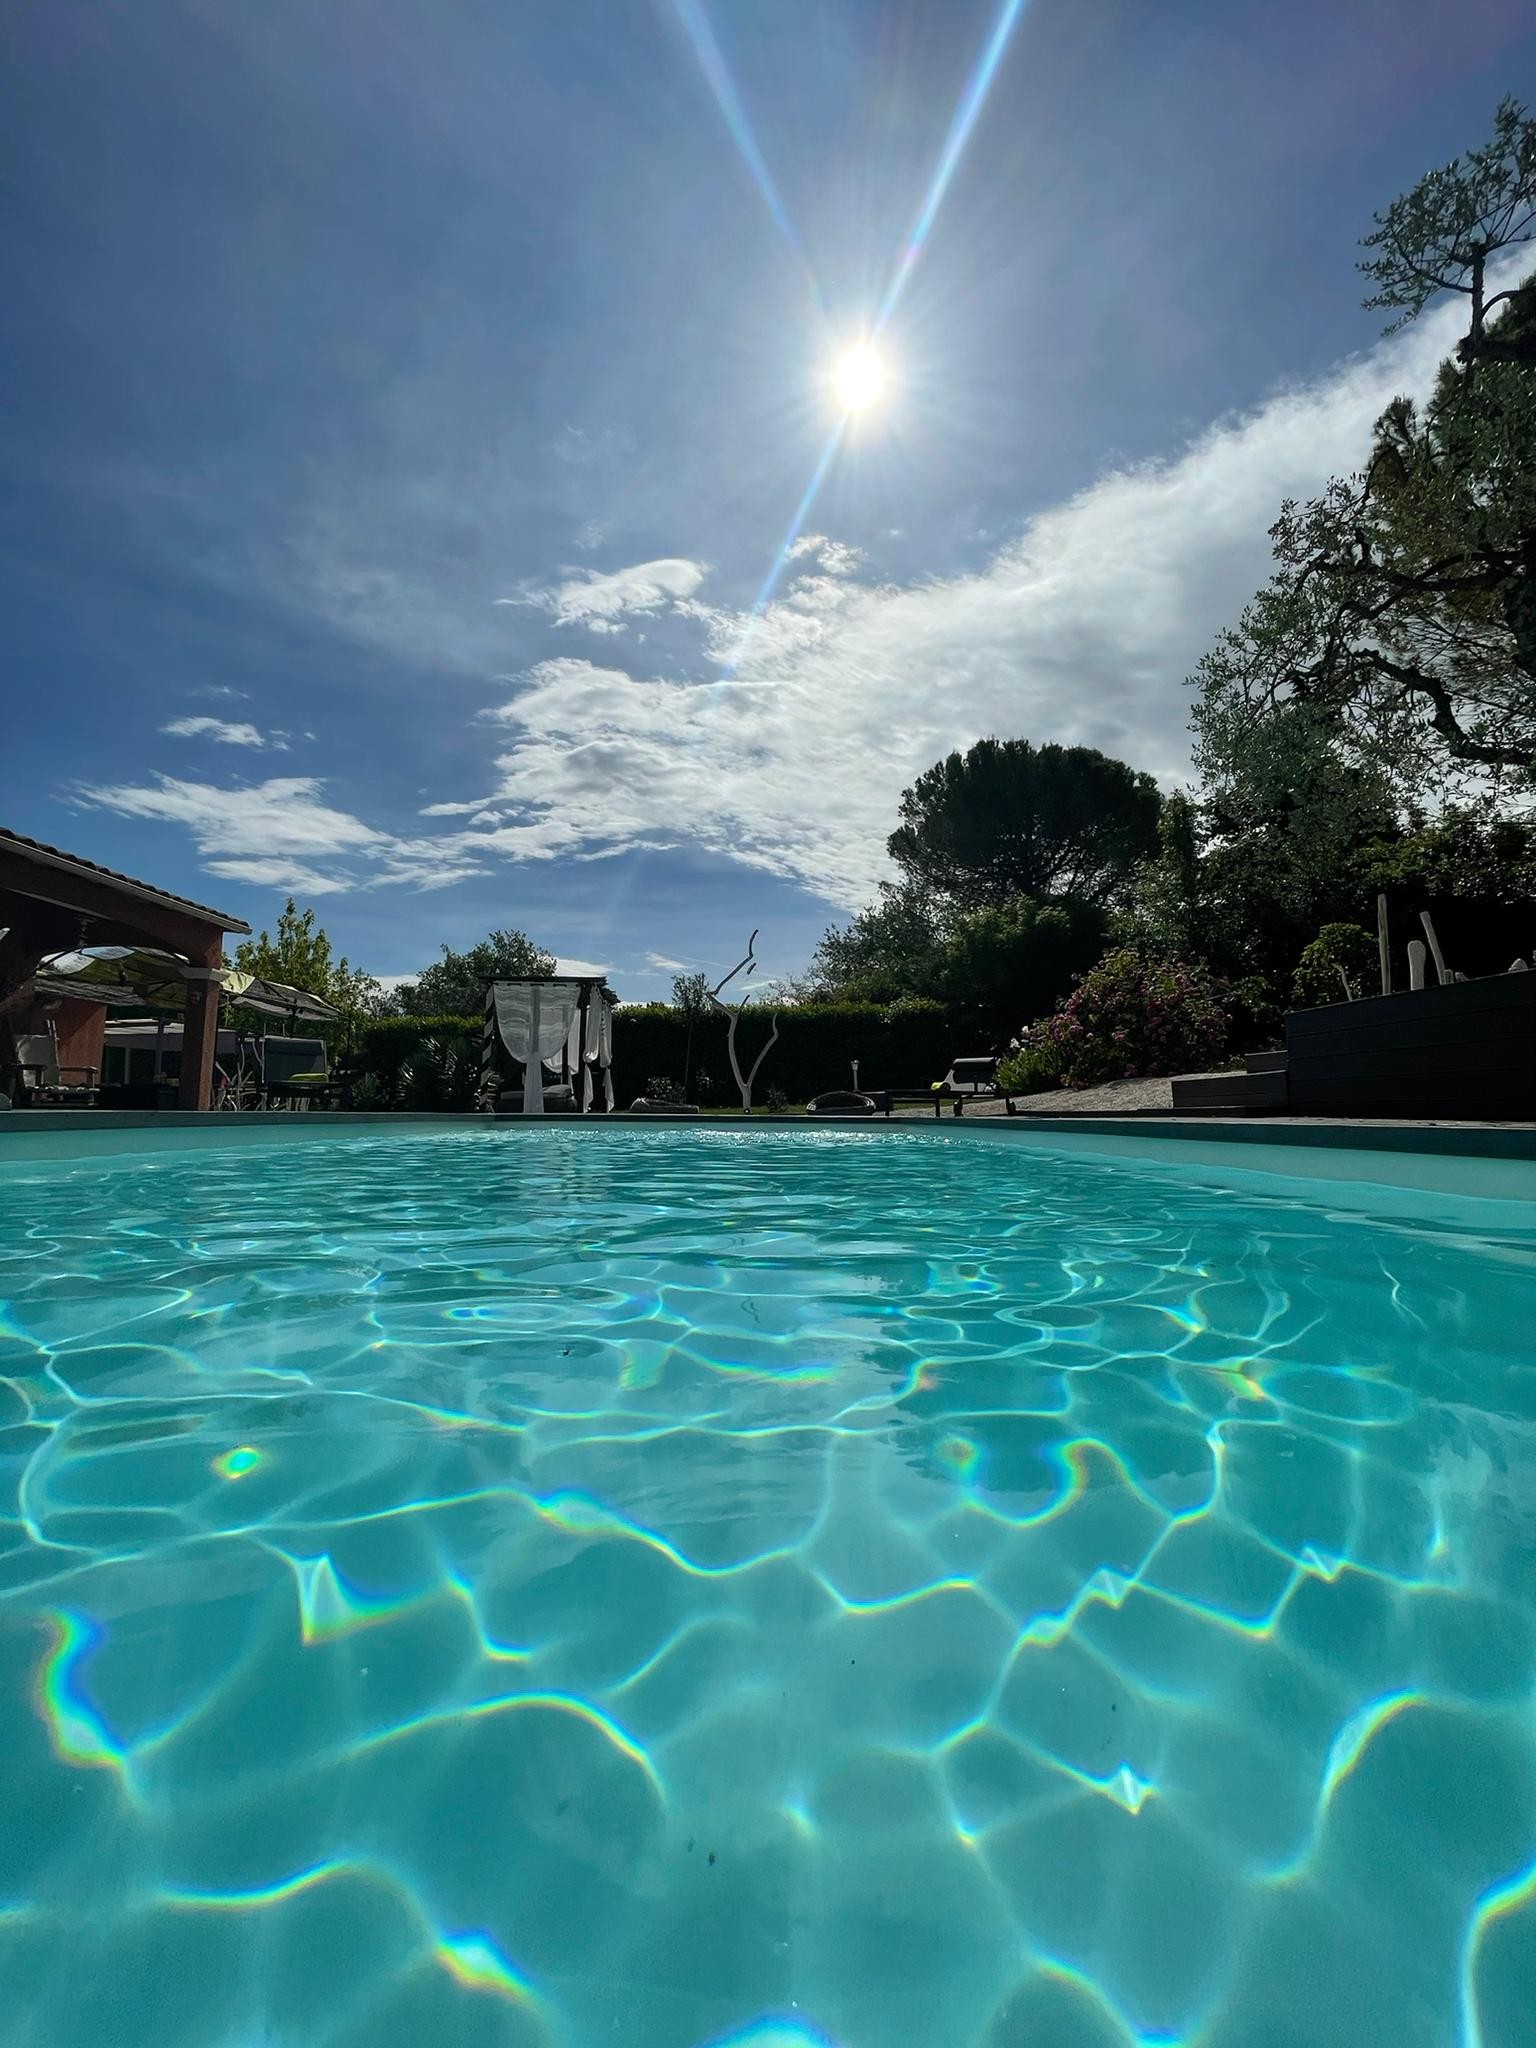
x: 1401, y: 616
x: 1009, y: 819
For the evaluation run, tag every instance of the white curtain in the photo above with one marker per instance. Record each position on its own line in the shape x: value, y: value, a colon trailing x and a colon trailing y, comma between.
x: 592, y: 1045
x: 535, y: 1021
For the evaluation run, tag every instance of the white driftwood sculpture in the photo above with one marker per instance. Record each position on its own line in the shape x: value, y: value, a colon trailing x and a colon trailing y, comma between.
x: 1434, y: 945
x: 734, y: 1012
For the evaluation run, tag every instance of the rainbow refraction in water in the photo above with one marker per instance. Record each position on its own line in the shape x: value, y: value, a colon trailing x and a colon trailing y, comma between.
x: 900, y: 1589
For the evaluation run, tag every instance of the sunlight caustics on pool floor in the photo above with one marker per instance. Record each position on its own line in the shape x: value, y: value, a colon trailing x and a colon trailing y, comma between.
x: 642, y: 1588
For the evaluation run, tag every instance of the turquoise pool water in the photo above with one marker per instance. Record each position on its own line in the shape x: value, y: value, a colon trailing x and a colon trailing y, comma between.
x: 633, y: 1589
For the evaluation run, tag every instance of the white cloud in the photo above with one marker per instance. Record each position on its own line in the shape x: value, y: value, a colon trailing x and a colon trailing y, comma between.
x: 601, y: 600
x: 834, y: 557
x: 223, y: 733
x: 666, y: 966
x: 1083, y: 628
x: 278, y: 874
x: 272, y: 833
x: 578, y: 967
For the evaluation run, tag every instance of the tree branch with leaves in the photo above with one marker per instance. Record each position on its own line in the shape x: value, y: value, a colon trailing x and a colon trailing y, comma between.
x: 1443, y: 235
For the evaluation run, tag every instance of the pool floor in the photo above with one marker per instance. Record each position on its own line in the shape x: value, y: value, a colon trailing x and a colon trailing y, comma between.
x: 640, y: 1589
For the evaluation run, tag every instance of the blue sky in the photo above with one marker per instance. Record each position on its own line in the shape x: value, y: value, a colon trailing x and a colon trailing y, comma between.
x: 408, y: 402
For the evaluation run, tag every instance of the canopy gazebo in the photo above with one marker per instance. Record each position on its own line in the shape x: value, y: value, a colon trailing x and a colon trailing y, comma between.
x: 52, y: 901
x: 562, y: 1023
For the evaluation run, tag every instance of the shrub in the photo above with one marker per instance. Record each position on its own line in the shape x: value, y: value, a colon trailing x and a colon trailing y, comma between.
x: 1133, y: 1015
x: 1030, y: 1071
x: 1337, y: 966
x: 1254, y: 1018
x: 662, y: 1088
x: 441, y: 1074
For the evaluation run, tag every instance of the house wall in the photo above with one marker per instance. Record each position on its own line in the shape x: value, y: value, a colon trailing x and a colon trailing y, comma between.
x: 79, y: 1026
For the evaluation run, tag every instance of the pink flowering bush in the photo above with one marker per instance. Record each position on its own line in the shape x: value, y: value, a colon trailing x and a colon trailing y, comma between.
x: 1134, y: 1015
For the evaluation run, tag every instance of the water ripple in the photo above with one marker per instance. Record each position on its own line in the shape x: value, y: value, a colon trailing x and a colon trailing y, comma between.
x: 804, y: 1590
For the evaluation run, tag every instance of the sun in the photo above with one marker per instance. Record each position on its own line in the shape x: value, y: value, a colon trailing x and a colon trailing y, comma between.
x: 859, y: 377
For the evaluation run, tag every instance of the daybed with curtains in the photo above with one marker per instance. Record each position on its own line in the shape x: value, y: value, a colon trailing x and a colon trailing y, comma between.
x: 562, y: 1024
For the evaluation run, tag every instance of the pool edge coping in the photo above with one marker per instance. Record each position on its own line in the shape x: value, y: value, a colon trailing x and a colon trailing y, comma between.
x: 1464, y: 1139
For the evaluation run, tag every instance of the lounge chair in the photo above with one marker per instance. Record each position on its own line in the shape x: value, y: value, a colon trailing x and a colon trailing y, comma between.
x: 47, y: 1084
x: 559, y: 1096
x: 295, y: 1071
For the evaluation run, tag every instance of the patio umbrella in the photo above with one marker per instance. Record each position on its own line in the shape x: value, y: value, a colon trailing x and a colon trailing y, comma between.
x: 158, y: 981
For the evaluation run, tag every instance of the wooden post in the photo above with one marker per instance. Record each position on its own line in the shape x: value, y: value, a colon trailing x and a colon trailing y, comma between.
x: 1383, y: 952
x: 200, y: 1029
x: 1434, y: 946
x: 485, y: 1096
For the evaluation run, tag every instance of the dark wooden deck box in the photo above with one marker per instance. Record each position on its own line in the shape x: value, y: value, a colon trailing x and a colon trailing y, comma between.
x: 1466, y: 1049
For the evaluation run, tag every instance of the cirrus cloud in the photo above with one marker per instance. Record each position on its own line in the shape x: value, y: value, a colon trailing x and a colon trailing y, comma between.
x: 224, y: 733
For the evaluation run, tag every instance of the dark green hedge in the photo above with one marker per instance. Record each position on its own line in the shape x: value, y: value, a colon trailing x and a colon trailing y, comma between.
x: 388, y: 1042
x: 904, y: 1047
x: 907, y: 1046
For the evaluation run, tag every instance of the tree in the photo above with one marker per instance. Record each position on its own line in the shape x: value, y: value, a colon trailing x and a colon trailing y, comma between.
x: 1012, y: 962
x: 690, y: 994
x: 1287, y: 819
x: 892, y: 949
x: 1169, y: 909
x: 1443, y: 234
x: 1010, y: 819
x: 1403, y: 604
x: 455, y: 985
x: 1402, y: 610
x: 301, y: 955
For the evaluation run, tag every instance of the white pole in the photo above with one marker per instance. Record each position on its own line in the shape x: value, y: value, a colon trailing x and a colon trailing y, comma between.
x: 1417, y: 954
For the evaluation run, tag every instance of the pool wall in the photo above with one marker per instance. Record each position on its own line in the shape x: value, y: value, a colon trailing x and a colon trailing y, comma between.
x: 90, y: 1127
x: 1480, y: 1161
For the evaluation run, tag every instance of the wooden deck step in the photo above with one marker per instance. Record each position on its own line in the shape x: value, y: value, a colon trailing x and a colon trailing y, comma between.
x: 1245, y: 1092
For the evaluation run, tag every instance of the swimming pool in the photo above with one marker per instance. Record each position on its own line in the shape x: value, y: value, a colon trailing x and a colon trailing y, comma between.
x: 646, y: 1587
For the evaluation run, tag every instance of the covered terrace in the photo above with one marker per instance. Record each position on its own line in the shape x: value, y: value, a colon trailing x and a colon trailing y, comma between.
x: 52, y: 902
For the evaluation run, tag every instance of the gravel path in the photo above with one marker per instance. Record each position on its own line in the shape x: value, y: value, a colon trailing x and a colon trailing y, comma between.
x: 1113, y: 1099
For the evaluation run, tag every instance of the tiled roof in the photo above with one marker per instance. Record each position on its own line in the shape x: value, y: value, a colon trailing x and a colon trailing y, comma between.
x: 54, y: 855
